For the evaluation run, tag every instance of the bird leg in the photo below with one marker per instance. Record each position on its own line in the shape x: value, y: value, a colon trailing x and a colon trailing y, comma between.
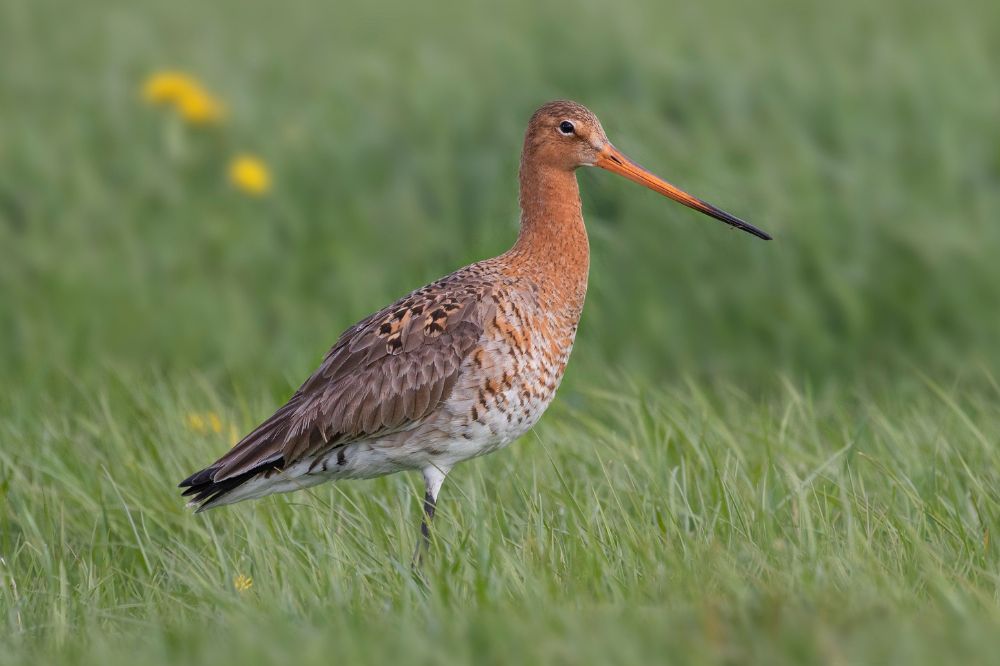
x: 425, y: 527
x: 433, y: 478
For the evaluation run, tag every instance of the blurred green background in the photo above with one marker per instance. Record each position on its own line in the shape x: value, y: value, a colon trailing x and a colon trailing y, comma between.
x: 136, y: 284
x: 865, y: 138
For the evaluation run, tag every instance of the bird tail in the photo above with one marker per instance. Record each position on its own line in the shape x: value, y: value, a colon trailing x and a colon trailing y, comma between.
x: 207, y: 493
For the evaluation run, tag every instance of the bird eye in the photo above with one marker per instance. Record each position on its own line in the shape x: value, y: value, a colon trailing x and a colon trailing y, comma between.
x: 566, y: 127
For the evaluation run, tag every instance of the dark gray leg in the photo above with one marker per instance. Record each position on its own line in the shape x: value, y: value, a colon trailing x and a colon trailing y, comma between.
x: 424, y: 544
x: 433, y: 478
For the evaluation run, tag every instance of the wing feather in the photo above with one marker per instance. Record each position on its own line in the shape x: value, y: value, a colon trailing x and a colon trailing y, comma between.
x: 385, y: 373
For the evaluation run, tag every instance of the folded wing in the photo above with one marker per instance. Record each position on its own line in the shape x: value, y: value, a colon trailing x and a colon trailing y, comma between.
x: 387, y: 373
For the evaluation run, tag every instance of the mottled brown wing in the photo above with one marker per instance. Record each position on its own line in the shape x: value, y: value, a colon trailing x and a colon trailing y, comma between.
x: 384, y: 374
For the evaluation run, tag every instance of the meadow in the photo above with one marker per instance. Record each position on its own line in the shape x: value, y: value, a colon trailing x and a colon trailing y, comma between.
x: 778, y: 452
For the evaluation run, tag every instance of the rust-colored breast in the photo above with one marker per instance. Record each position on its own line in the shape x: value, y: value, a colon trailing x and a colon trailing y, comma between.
x: 510, y: 378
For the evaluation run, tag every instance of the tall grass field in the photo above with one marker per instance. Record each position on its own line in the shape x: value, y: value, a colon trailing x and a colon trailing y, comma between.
x: 774, y: 453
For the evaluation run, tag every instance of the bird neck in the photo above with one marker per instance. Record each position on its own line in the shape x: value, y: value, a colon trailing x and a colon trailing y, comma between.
x: 552, y: 243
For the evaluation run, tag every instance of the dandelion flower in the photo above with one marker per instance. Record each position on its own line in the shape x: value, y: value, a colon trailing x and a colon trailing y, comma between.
x: 195, y: 422
x: 214, y: 422
x: 186, y: 94
x: 168, y: 87
x: 204, y: 422
x: 250, y: 175
x: 242, y: 582
x: 199, y: 108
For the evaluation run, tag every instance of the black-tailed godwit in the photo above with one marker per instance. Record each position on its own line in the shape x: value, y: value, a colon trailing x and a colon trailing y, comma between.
x: 456, y: 369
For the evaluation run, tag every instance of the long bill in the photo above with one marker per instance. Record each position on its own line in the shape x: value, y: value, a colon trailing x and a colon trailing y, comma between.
x: 613, y: 160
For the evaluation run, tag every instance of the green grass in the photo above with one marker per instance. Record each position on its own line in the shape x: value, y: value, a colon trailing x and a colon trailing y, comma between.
x: 712, y: 525
x: 777, y: 452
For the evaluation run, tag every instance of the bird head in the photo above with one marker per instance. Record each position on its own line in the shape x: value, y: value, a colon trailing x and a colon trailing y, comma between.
x: 566, y: 135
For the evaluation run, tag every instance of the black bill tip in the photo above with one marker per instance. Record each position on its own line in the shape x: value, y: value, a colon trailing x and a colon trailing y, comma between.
x: 734, y: 221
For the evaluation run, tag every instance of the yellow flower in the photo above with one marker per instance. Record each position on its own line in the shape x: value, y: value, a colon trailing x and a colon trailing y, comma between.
x: 199, y: 108
x: 204, y: 422
x: 188, y: 97
x: 168, y: 87
x: 195, y: 422
x: 250, y: 174
x: 242, y: 582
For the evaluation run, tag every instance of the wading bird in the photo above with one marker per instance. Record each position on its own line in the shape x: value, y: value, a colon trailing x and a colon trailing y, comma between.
x: 456, y: 369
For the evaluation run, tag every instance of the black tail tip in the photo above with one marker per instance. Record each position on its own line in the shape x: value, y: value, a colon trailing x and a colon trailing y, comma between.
x: 199, y: 478
x: 204, y: 490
